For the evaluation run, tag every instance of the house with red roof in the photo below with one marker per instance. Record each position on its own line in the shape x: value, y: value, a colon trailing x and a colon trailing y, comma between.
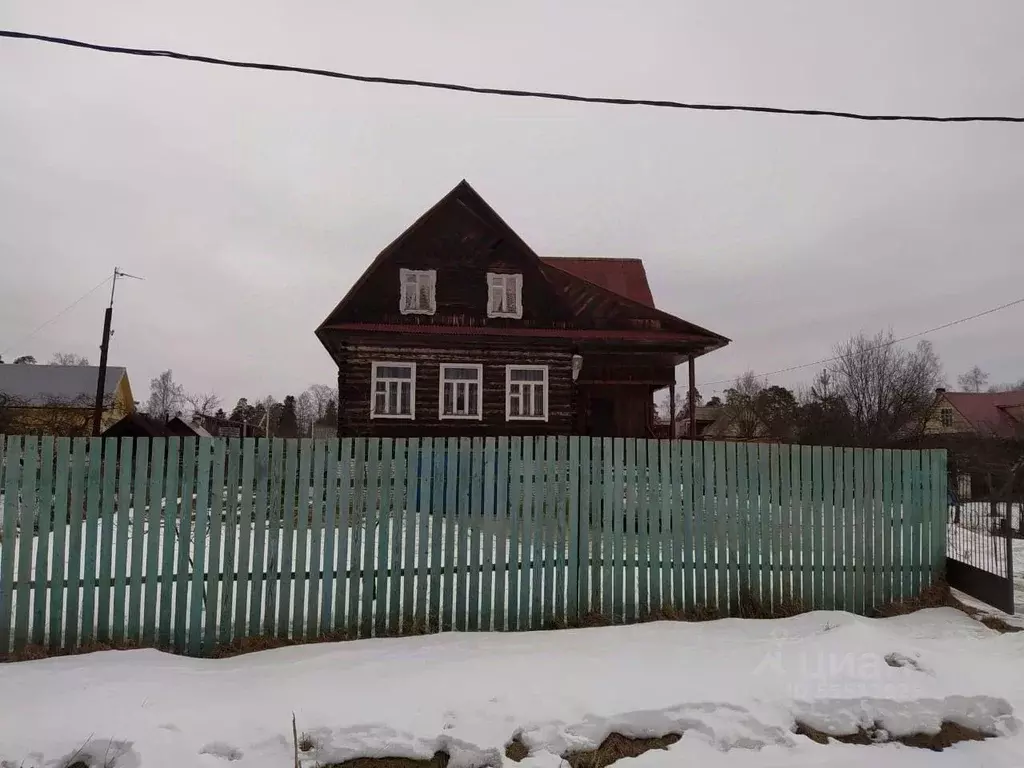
x: 981, y: 414
x: 458, y: 328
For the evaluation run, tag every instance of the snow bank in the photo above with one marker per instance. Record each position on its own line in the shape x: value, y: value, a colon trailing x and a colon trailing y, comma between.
x: 734, y: 688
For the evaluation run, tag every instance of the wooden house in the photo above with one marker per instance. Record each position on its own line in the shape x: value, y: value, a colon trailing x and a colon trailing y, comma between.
x: 458, y: 328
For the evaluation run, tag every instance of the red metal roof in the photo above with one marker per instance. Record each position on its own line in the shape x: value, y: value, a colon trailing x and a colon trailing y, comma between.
x: 626, y: 277
x: 986, y: 411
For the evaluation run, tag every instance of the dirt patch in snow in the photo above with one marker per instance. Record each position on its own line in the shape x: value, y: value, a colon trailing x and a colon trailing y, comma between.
x: 950, y: 733
x: 616, y: 747
x: 439, y: 760
x: 999, y: 625
x: 516, y: 750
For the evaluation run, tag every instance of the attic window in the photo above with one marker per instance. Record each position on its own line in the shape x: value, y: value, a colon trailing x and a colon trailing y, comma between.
x: 418, y: 291
x: 504, y: 295
x: 946, y: 417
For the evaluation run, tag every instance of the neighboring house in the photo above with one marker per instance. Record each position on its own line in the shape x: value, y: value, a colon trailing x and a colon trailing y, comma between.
x: 459, y: 328
x: 984, y: 434
x: 141, y: 425
x: 59, y: 399
x: 323, y: 431
x: 218, y: 427
x: 984, y: 414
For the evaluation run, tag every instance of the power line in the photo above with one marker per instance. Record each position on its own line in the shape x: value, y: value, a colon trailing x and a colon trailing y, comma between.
x: 60, y: 314
x: 662, y: 103
x: 880, y: 346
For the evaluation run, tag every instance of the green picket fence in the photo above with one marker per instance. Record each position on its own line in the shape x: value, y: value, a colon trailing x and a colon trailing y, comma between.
x: 190, y: 544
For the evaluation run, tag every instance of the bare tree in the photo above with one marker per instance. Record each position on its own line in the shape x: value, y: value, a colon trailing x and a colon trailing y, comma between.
x: 165, y: 396
x: 321, y: 395
x: 974, y: 380
x: 305, y: 412
x: 68, y: 358
x: 8, y: 415
x: 202, y: 402
x: 887, y: 389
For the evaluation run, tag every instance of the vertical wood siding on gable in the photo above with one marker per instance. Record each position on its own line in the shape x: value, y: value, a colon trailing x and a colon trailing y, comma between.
x: 355, y: 382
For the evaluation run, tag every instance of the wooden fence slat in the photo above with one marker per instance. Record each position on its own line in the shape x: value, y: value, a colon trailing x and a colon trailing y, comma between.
x: 682, y: 511
x: 560, y: 527
x: 528, y: 557
x: 386, y: 567
x: 849, y: 549
x: 432, y: 508
x: 138, y: 535
x: 462, y: 575
x: 502, y: 570
x: 327, y: 473
x: 61, y: 512
x: 896, y: 537
x: 750, y: 523
x: 735, y: 474
x: 916, y: 504
x: 371, y: 518
x: 817, y: 526
x: 703, y: 523
x: 785, y: 541
x: 773, y: 533
x: 231, y: 578
x: 474, y: 521
x: 765, y: 496
x: 608, y: 548
x: 642, y: 530
x: 940, y: 511
x: 245, y: 534
x: 121, y: 535
x: 576, y: 510
x: 197, y: 591
x: 27, y: 521
x: 393, y: 524
x: 286, y: 557
x: 720, y: 551
x: 11, y: 512
x: 537, y: 513
x: 75, y: 522
x: 589, y: 532
x: 300, y: 619
x: 216, y: 535
x: 487, y: 526
x: 879, y: 557
x: 806, y: 526
x: 90, y: 539
x: 828, y: 544
x: 516, y: 546
x: 261, y: 523
x: 417, y: 544
x: 668, y: 501
x: 617, y: 515
x: 548, y: 524
x: 342, y: 500
x: 183, y: 583
x: 628, y: 503
x: 451, y: 526
x: 172, y: 486
x: 660, y: 543
x: 153, y: 535
x: 861, y: 512
x: 274, y: 533
x: 356, y: 531
x: 45, y: 500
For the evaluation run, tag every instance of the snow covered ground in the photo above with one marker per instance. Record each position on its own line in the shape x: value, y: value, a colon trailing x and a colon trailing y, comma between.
x: 734, y: 688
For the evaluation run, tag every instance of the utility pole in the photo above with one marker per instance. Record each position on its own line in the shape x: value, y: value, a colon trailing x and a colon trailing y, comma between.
x: 97, y: 412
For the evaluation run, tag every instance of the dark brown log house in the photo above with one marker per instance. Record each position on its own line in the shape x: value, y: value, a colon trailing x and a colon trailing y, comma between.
x: 458, y: 328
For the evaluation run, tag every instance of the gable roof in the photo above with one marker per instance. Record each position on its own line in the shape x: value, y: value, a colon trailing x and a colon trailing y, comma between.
x: 626, y: 277
x: 618, y: 288
x: 38, y: 385
x: 988, y: 412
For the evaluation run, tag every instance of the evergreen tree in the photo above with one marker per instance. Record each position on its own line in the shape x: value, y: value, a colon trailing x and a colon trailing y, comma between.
x: 289, y: 423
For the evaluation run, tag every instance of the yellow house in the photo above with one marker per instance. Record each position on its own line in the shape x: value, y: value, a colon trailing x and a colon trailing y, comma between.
x: 59, y: 399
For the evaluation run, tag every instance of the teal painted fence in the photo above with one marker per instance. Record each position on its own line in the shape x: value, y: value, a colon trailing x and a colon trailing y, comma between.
x: 189, y: 543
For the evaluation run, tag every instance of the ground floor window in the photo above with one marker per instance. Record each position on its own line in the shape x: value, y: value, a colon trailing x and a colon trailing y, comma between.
x: 461, y: 395
x: 526, y: 392
x: 394, y: 391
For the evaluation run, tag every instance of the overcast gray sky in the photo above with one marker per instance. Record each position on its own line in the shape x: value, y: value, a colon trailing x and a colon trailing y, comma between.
x: 251, y: 201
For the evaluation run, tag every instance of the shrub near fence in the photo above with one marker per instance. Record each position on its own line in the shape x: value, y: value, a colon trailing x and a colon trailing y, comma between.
x: 190, y: 544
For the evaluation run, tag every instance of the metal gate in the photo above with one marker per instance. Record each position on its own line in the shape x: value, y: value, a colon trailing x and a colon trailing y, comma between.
x: 979, y: 549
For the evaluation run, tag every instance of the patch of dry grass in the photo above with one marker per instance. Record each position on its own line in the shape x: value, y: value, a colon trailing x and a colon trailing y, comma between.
x: 616, y: 747
x: 950, y: 733
x: 439, y: 760
x: 516, y: 750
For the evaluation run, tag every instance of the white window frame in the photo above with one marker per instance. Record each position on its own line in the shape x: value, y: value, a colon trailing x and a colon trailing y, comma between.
x: 508, y: 391
x: 373, y: 389
x: 479, y: 392
x: 421, y: 275
x: 504, y: 277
